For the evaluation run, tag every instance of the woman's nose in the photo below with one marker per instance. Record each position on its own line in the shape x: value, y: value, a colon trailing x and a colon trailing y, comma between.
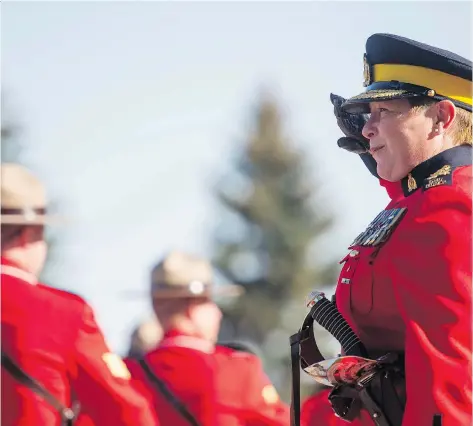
x: 369, y: 130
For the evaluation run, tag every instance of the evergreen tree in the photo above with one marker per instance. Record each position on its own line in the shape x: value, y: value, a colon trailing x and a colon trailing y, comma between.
x: 272, y: 219
x: 11, y: 147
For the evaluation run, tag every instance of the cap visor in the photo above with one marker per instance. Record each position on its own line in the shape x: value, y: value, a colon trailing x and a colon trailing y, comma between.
x: 359, y: 104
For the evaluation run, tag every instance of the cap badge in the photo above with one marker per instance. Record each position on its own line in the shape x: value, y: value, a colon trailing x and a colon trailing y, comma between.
x: 366, y: 71
x: 196, y: 287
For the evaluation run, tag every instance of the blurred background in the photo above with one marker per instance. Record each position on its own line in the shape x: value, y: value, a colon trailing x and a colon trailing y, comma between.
x: 204, y: 127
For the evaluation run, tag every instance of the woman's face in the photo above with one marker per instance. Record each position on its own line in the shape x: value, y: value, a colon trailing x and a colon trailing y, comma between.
x: 399, y: 136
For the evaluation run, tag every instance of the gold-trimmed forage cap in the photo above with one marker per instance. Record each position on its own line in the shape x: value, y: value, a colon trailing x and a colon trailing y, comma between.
x: 23, y: 196
x: 182, y: 275
x: 396, y: 67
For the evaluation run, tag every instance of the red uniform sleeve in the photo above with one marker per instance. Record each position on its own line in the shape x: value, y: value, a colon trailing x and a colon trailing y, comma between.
x: 432, y: 281
x: 102, y: 381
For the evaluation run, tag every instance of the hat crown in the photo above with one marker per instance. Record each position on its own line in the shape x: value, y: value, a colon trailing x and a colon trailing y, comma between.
x: 20, y: 189
x: 182, y: 275
x: 179, y: 269
x: 391, y: 49
x: 396, y: 67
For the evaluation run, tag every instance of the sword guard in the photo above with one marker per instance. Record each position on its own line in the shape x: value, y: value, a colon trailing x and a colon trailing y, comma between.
x: 344, y: 370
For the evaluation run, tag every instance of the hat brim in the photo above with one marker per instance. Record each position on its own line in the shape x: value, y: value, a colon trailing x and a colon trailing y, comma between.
x: 19, y: 219
x: 227, y: 290
x: 360, y: 104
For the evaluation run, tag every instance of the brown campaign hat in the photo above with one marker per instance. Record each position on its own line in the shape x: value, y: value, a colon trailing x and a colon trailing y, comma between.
x: 183, y: 275
x: 23, y: 197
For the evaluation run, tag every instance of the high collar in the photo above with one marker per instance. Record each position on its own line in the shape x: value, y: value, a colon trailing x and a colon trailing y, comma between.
x: 394, y: 189
x: 10, y: 268
x: 441, y: 164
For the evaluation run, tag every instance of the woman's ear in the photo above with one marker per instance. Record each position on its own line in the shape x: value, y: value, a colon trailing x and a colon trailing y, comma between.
x: 446, y: 112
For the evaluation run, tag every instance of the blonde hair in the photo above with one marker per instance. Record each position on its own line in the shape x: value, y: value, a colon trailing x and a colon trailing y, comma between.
x: 461, y: 129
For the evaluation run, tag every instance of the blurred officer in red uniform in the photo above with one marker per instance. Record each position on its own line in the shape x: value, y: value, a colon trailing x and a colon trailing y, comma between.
x: 51, y: 334
x: 405, y: 285
x: 212, y: 385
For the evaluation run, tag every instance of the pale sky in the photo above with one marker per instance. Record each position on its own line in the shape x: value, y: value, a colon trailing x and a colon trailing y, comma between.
x: 133, y: 110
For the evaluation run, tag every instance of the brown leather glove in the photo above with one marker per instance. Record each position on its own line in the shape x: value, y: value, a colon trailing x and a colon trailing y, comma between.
x: 352, y: 125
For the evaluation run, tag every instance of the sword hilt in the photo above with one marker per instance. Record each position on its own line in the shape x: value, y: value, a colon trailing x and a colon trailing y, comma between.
x: 326, y: 314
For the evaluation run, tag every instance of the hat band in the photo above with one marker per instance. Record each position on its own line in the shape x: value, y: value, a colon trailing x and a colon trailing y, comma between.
x: 194, y: 288
x: 11, y: 212
x: 443, y: 84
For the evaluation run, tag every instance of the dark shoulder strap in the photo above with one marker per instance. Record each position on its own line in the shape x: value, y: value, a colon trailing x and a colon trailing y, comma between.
x: 68, y: 415
x: 296, y: 372
x: 168, y: 394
